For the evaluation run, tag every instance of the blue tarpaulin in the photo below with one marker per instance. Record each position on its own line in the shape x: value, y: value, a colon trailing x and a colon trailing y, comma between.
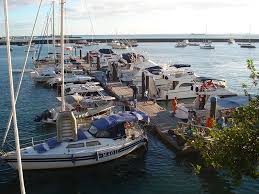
x: 232, y: 102
x: 104, y: 123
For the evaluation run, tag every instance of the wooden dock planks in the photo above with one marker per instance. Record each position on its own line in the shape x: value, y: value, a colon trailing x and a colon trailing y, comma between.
x: 119, y: 91
x: 162, y: 120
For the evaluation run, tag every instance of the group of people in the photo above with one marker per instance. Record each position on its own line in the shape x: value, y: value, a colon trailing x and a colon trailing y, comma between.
x: 207, y: 85
x: 135, y: 94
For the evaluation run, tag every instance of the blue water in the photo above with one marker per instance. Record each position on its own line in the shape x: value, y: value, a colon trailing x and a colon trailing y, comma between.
x: 154, y: 171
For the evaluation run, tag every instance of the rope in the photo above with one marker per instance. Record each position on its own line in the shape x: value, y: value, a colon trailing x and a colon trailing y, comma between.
x: 21, y: 77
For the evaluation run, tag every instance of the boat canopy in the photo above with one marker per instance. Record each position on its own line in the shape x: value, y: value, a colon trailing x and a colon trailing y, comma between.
x: 180, y: 65
x: 200, y: 79
x: 106, y: 51
x: 113, y: 126
x: 232, y: 102
x: 156, y: 70
x: 112, y: 120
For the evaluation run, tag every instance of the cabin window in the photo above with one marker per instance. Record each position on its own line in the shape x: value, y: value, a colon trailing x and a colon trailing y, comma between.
x: 186, y: 85
x: 91, y: 94
x: 76, y: 145
x: 92, y: 143
x: 174, y: 84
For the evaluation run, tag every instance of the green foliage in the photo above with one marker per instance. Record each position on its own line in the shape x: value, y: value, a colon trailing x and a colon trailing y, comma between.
x: 235, y: 149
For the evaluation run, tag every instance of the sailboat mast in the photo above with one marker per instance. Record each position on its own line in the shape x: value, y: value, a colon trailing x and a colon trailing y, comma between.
x: 62, y: 56
x: 10, y: 73
x: 53, y: 29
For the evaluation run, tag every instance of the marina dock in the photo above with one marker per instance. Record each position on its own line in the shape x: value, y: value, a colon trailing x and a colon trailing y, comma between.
x: 161, y: 121
x: 119, y: 91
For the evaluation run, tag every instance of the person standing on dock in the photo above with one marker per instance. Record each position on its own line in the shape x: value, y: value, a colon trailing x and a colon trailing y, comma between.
x: 146, y: 96
x: 104, y: 79
x: 135, y: 91
x: 174, y: 105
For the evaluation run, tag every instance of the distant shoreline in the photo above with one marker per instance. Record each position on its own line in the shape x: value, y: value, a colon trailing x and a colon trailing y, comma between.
x: 18, y: 40
x: 143, y: 40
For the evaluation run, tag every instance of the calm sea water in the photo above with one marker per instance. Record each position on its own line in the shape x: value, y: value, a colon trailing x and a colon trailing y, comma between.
x: 154, y: 171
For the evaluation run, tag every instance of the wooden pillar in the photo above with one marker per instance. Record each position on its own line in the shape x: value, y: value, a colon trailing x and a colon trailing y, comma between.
x: 147, y: 83
x: 213, y: 105
x: 80, y: 54
x: 87, y: 57
x: 143, y: 85
x: 98, y: 63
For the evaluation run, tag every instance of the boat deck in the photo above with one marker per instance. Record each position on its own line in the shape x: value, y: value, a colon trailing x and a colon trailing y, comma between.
x: 119, y: 91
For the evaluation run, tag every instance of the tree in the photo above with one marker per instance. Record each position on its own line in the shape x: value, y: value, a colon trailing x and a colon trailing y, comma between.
x: 235, y: 149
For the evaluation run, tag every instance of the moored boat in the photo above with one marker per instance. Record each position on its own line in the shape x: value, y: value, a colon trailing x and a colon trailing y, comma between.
x: 247, y: 45
x: 104, y: 140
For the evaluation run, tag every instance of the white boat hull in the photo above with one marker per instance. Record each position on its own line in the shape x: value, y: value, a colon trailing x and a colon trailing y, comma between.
x: 83, y: 159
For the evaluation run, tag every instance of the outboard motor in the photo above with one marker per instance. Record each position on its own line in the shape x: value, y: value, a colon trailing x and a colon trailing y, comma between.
x: 44, y: 116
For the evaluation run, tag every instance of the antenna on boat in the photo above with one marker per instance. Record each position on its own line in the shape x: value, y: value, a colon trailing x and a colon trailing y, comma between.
x: 62, y: 56
x: 53, y: 29
x: 10, y: 73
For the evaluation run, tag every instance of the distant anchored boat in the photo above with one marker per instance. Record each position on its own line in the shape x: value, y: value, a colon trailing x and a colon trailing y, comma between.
x: 207, y: 45
x: 247, y: 45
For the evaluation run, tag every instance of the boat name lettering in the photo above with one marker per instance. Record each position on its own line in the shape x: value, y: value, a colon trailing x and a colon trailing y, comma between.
x: 113, y: 152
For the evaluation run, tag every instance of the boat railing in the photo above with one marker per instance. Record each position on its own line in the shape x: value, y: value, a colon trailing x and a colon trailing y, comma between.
x: 25, y: 142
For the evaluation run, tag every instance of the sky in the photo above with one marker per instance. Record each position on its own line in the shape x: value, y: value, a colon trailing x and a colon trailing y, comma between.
x: 138, y: 16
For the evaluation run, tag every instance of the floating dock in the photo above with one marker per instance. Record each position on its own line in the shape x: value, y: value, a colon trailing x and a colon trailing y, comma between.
x: 162, y: 121
x: 119, y: 91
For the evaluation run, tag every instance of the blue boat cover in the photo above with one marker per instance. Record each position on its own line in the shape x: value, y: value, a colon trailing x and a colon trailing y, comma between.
x: 53, y: 143
x: 106, y: 51
x: 112, y: 120
x: 233, y: 102
x: 180, y: 65
x: 81, y: 135
x: 39, y: 148
x: 104, y: 123
x: 145, y: 117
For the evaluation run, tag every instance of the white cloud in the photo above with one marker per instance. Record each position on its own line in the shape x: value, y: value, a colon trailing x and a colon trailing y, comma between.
x: 150, y: 16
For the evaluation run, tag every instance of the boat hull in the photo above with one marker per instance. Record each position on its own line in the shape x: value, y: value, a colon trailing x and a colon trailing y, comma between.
x: 72, y: 160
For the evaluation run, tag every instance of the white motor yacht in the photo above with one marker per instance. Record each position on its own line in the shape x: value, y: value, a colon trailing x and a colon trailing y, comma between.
x: 69, y: 79
x: 187, y: 86
x: 88, y: 108
x: 43, y: 75
x: 247, y: 45
x: 207, y: 45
